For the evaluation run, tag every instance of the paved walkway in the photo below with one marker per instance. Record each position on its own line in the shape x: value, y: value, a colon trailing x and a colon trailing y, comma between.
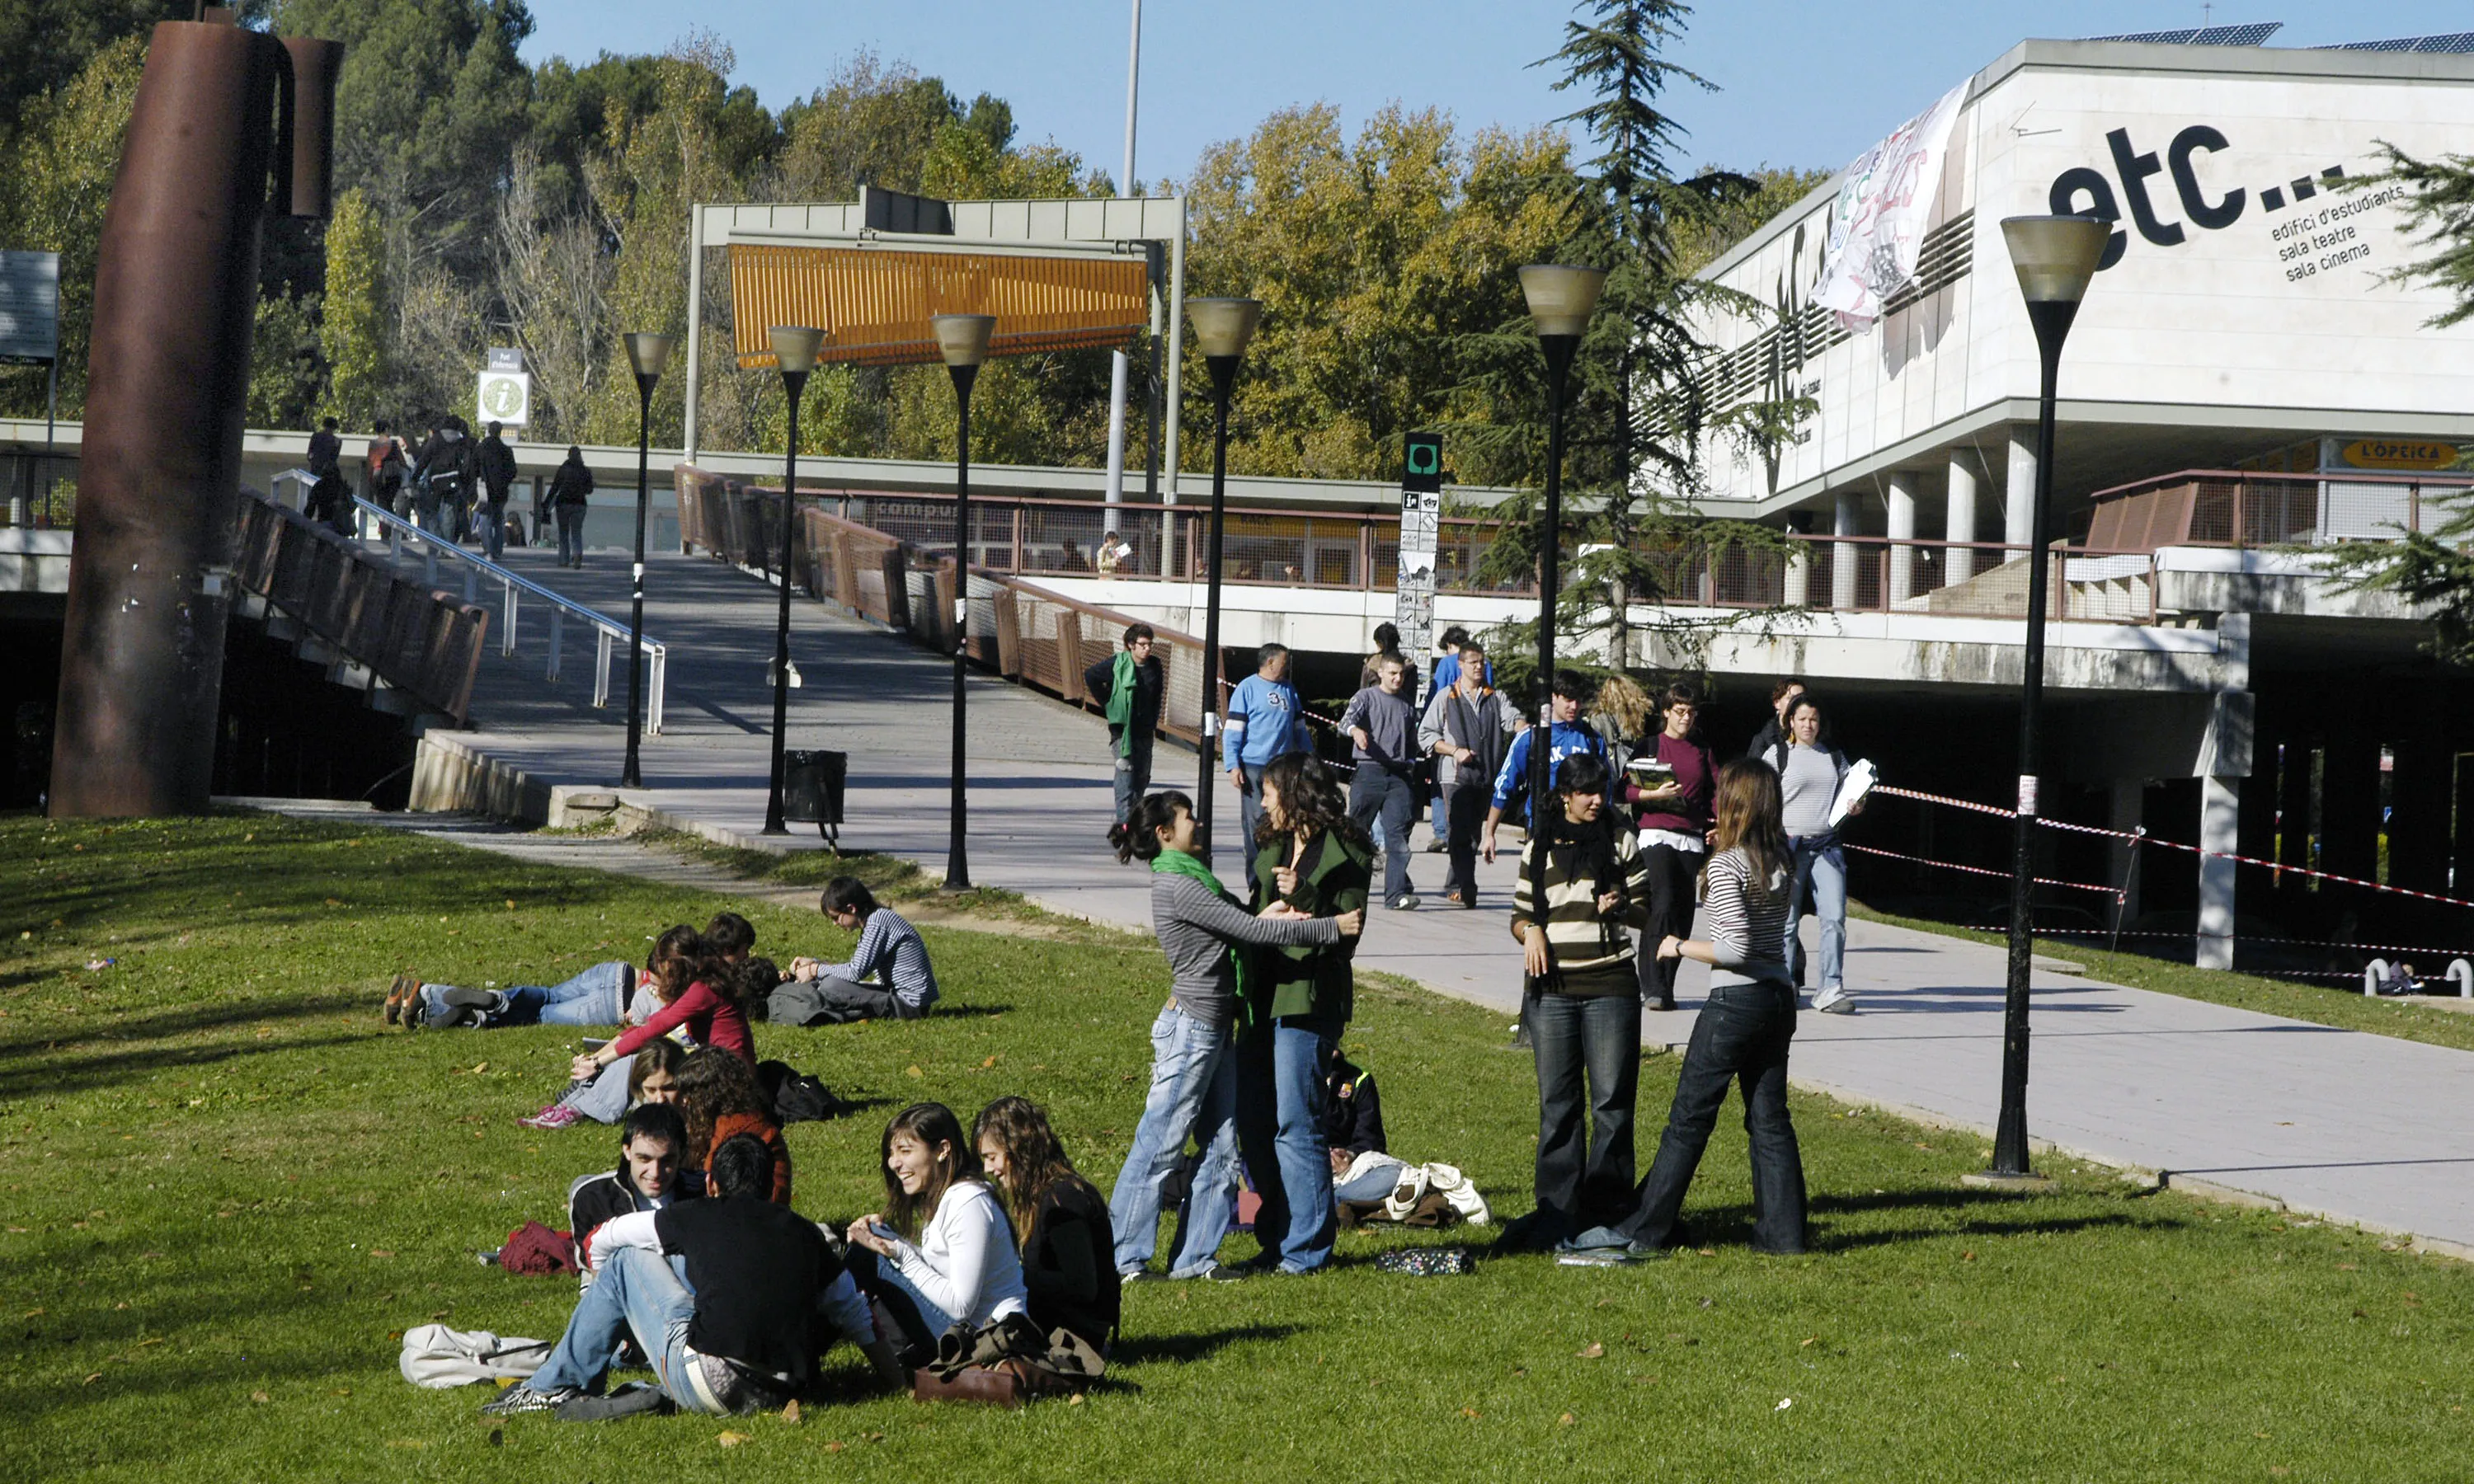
x: 2356, y: 1127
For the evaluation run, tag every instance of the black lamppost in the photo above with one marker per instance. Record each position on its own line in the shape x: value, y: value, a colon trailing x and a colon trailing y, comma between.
x: 794, y: 350
x: 1560, y: 301
x: 648, y: 353
x: 1221, y: 327
x: 2056, y: 257
x: 963, y: 339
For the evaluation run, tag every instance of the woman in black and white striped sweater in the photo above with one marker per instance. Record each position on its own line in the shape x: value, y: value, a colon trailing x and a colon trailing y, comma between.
x: 1583, y: 1007
x: 1743, y: 1030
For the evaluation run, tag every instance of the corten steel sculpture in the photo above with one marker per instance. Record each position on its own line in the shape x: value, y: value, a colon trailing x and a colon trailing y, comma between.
x: 230, y: 124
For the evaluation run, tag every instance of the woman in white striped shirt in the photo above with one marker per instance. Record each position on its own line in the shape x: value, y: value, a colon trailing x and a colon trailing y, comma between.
x: 1742, y: 1033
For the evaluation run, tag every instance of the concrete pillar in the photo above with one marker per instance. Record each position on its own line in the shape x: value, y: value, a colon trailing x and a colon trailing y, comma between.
x: 1799, y: 576
x: 2019, y: 491
x: 1902, y: 532
x: 2129, y: 796
x: 1959, y: 525
x: 1844, y: 556
x: 2219, y: 823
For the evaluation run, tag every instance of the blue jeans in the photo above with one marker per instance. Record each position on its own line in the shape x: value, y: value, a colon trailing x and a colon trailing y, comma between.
x: 570, y: 535
x: 635, y: 1290
x: 1283, y: 1075
x: 597, y: 996
x: 1250, y: 809
x: 1379, y: 793
x: 1133, y: 775
x: 604, y: 1098
x: 1585, y: 1183
x: 1376, y: 1185
x: 1194, y: 1093
x: 1820, y: 869
x: 1741, y: 1036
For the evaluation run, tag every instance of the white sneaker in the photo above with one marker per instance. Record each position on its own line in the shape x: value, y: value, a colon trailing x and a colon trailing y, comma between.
x: 1835, y: 1001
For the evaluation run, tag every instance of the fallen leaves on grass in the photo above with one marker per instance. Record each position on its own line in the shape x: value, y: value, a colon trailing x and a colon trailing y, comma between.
x: 1565, y: 1420
x: 790, y: 1412
x: 1591, y: 1351
x: 732, y: 1439
x: 1784, y: 1403
x: 912, y: 1070
x: 261, y: 1398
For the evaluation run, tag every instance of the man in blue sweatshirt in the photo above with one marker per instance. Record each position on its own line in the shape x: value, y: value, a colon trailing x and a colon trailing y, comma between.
x: 1570, y: 735
x: 1265, y: 721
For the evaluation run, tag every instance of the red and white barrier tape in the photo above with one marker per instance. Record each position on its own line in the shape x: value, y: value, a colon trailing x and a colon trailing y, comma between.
x: 1978, y: 871
x: 2171, y: 845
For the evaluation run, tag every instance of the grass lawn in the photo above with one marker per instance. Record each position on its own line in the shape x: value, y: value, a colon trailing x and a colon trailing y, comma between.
x: 226, y: 1189
x: 2321, y: 1002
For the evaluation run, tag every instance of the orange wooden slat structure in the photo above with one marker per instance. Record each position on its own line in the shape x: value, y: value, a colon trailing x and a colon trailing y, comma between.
x: 874, y: 304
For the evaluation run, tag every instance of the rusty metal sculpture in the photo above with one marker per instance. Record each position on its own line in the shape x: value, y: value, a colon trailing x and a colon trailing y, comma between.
x: 229, y: 125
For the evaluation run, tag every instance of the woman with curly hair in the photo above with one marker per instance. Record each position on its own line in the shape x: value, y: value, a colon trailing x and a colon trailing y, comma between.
x: 1310, y: 857
x: 1060, y: 1225
x: 720, y: 1096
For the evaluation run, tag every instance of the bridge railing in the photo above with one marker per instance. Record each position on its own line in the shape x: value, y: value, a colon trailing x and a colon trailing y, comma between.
x: 415, y: 638
x: 2256, y: 508
x: 610, y: 634
x: 1017, y: 629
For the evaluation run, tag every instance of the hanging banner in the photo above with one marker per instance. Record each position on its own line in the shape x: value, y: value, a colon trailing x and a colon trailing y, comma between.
x: 1877, y: 230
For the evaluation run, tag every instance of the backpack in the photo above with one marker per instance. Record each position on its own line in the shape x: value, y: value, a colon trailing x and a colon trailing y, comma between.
x: 438, y: 1358
x: 797, y: 1097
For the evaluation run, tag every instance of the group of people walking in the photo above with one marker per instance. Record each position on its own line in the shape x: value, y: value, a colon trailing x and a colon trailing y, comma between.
x: 448, y: 483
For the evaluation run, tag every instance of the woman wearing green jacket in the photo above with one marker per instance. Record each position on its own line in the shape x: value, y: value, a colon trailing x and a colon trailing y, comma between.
x: 1298, y: 999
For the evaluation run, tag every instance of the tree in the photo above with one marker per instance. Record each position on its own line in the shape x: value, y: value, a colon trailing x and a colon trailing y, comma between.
x: 2433, y: 569
x: 354, y: 311
x: 1636, y: 418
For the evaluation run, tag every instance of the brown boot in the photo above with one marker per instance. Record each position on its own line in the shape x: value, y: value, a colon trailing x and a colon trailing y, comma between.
x: 400, y: 1000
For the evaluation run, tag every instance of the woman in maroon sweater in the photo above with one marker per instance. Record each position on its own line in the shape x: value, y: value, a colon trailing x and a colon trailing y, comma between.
x: 696, y: 990
x: 1674, y: 818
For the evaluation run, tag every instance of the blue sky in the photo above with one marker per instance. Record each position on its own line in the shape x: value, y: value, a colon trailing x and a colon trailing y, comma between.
x: 1801, y: 82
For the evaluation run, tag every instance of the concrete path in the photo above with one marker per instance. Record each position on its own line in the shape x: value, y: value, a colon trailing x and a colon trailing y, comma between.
x: 2360, y: 1128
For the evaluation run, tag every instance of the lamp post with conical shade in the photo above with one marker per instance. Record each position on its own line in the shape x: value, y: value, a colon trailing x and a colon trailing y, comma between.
x: 648, y: 354
x: 1222, y: 328
x: 2055, y: 258
x: 963, y: 340
x: 794, y: 352
x: 1560, y: 299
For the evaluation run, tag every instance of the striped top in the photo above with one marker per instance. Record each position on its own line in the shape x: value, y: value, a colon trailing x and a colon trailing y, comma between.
x: 889, y: 952
x: 1746, y: 927
x: 1582, y: 940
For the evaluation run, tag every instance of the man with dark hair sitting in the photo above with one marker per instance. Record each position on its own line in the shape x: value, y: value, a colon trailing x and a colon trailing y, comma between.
x: 652, y: 1146
x: 724, y: 1293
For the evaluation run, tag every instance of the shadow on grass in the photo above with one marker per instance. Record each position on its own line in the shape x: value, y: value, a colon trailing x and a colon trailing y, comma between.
x: 1144, y: 1348
x: 29, y: 1066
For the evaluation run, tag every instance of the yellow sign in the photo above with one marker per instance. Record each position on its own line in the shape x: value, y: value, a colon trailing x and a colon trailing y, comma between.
x: 2392, y: 453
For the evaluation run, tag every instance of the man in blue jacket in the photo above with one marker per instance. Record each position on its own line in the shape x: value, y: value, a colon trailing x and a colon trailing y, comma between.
x: 1570, y: 735
x: 1265, y: 721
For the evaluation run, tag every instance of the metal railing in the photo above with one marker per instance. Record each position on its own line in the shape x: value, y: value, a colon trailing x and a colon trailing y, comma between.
x: 2250, y: 508
x: 610, y: 634
x: 414, y: 639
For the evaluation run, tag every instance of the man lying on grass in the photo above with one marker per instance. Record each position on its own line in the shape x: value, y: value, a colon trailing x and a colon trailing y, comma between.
x: 740, y: 1333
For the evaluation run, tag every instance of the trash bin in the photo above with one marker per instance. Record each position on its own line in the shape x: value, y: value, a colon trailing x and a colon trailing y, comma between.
x: 812, y: 792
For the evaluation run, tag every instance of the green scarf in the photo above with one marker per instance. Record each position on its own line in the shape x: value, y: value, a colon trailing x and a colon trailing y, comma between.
x: 1178, y: 863
x: 1121, y: 711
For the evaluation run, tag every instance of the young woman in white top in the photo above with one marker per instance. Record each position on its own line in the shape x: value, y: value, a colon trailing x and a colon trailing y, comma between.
x: 944, y: 1252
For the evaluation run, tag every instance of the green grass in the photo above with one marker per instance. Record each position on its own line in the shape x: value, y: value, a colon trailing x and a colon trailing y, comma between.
x: 227, y: 1189
x: 893, y: 880
x: 2317, y: 1001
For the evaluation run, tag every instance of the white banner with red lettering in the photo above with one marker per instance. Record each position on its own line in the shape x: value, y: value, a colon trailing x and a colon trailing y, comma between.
x: 1877, y: 230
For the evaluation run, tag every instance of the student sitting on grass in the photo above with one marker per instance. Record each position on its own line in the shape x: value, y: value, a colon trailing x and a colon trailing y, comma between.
x: 653, y: 1154
x: 649, y: 1076
x: 735, y: 1328
x: 698, y: 992
x: 887, y: 976
x: 719, y: 1098
x: 941, y: 1252
x: 1060, y: 1224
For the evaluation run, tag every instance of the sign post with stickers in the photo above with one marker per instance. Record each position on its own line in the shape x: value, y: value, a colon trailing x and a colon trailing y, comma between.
x: 506, y: 390
x: 1421, y: 512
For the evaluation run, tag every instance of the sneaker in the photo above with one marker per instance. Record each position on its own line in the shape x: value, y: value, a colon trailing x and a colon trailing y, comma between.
x: 1433, y: 847
x: 399, y: 998
x: 1406, y: 901
x: 1142, y: 1276
x: 1835, y: 1002
x: 1222, y: 1273
x: 636, y: 1399
x: 522, y: 1397
x: 1595, y: 1239
x: 557, y: 1116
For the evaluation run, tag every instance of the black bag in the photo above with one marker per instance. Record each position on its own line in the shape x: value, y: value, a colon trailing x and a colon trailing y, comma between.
x: 797, y: 1097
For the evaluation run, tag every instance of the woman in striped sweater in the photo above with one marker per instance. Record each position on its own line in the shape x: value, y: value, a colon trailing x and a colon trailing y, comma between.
x: 1582, y: 999
x: 1743, y: 1030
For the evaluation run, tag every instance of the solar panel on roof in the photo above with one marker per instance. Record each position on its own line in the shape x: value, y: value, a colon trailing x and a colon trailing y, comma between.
x: 2454, y: 42
x: 2249, y: 34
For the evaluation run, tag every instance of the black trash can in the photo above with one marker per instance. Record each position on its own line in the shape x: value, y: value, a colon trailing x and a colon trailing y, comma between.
x: 812, y: 791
